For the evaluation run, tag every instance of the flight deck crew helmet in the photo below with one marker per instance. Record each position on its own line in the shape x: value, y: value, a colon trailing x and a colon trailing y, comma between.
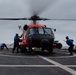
x: 67, y: 37
x: 16, y: 34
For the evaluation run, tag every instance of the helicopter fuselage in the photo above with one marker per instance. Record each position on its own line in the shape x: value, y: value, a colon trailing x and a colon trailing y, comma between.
x: 38, y: 35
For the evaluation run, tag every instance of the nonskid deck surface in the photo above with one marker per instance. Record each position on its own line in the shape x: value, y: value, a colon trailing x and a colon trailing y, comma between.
x: 37, y: 63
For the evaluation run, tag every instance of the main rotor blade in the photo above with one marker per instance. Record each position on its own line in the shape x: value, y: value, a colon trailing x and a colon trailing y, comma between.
x: 24, y: 19
x: 37, y: 19
x: 13, y: 19
x: 64, y: 19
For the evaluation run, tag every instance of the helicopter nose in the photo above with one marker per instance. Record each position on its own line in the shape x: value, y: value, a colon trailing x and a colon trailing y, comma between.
x: 44, y: 43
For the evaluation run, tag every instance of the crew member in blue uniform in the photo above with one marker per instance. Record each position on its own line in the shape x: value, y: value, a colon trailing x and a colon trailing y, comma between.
x: 69, y: 42
x: 3, y: 45
x: 16, y: 43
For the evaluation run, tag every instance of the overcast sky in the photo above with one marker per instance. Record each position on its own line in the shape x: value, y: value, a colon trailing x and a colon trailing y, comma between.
x: 55, y: 9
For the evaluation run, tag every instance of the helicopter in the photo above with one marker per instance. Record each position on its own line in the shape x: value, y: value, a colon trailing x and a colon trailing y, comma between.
x: 37, y: 35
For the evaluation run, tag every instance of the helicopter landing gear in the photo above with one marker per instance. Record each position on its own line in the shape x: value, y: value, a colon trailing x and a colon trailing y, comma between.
x: 23, y: 48
x: 50, y: 49
x: 42, y: 49
x: 30, y: 49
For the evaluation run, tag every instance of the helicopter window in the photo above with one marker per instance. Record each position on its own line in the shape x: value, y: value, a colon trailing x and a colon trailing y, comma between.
x: 47, y: 31
x: 40, y: 30
x: 33, y: 31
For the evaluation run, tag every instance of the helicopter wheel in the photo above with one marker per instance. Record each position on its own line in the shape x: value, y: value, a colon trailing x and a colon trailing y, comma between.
x: 50, y: 49
x: 59, y: 45
x: 30, y: 49
x: 23, y: 48
x: 42, y: 49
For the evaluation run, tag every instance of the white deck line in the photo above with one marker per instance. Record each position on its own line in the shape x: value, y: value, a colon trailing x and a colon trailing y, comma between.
x: 19, y: 56
x: 70, y: 65
x: 28, y: 66
x: 35, y: 65
x: 59, y: 65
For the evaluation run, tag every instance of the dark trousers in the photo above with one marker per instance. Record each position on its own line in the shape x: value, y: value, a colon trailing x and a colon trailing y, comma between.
x: 16, y: 46
x: 2, y: 47
x: 70, y: 49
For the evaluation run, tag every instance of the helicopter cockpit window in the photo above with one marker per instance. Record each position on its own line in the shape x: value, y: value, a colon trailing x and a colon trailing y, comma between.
x: 33, y: 31
x: 40, y: 30
x: 47, y: 31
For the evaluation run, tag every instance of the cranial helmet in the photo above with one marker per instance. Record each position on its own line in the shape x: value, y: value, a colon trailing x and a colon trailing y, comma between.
x: 67, y: 37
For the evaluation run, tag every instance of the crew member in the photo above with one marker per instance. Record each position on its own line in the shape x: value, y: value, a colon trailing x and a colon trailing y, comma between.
x: 16, y: 43
x: 3, y: 45
x: 69, y: 42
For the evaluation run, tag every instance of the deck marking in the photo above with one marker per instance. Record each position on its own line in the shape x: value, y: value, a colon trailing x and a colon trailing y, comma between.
x: 35, y: 65
x: 70, y: 65
x: 59, y: 65
x: 19, y: 56
x: 28, y: 65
